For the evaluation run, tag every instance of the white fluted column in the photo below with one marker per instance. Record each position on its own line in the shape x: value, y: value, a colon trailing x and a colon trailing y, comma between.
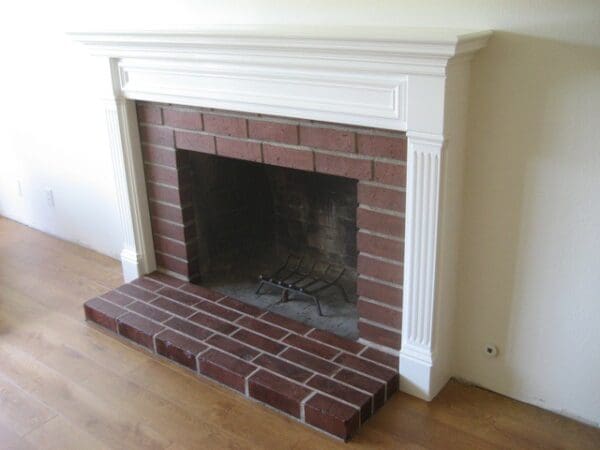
x: 418, y: 310
x: 137, y: 254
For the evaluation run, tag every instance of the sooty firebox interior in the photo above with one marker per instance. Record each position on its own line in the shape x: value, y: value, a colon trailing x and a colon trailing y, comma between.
x: 252, y: 217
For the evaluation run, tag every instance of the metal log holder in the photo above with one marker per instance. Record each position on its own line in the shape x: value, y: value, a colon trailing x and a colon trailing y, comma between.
x: 301, y: 279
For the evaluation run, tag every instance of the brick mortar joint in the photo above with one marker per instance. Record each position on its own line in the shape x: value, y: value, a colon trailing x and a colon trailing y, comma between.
x: 380, y: 325
x: 377, y: 303
x: 379, y: 281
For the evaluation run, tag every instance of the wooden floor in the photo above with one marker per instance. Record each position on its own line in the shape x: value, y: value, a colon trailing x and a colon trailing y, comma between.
x: 64, y: 384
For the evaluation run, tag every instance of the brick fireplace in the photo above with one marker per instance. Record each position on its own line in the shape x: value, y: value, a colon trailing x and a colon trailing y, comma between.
x: 375, y: 159
x: 379, y: 112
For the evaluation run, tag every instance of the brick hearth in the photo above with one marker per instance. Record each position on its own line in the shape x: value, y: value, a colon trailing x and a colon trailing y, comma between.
x: 325, y: 381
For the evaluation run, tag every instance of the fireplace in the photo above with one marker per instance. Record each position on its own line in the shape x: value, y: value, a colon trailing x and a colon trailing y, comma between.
x: 233, y: 195
x: 381, y: 112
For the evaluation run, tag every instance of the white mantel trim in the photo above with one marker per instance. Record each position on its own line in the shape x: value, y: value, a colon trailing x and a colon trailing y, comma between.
x: 413, y: 80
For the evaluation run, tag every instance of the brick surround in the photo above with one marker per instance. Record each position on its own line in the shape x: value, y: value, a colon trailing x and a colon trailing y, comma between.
x: 319, y: 378
x: 376, y: 158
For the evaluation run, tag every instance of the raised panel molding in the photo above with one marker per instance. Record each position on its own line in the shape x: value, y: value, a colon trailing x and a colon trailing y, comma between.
x: 367, y: 99
x: 413, y: 80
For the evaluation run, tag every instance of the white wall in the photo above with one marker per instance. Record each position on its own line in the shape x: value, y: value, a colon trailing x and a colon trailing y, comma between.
x: 530, y: 264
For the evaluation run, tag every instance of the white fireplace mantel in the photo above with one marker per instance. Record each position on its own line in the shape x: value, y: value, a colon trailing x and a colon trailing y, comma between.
x: 413, y: 80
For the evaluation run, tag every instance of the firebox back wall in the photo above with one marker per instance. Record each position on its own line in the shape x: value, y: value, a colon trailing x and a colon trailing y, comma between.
x: 375, y: 158
x: 243, y: 210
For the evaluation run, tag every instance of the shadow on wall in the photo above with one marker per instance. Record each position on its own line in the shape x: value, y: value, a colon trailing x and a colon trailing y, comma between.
x: 531, y: 221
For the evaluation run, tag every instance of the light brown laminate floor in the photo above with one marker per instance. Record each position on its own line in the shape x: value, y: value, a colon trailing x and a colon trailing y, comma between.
x: 66, y: 385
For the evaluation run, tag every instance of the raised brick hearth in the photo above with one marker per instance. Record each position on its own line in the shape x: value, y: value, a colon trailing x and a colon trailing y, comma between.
x: 376, y: 159
x: 322, y: 380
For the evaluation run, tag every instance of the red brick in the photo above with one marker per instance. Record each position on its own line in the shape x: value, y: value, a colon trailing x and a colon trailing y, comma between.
x: 262, y: 327
x: 331, y: 416
x: 165, y: 279
x: 380, y: 222
x: 288, y: 157
x: 390, y: 377
x: 149, y: 312
x: 138, y: 329
x: 179, y: 348
x: 103, y: 313
x: 188, y: 269
x: 117, y: 298
x: 192, y: 120
x: 173, y: 307
x: 379, y: 292
x: 234, y: 347
x: 213, y: 323
x: 203, y: 143
x: 188, y: 329
x: 136, y: 292
x: 159, y: 155
x: 336, y: 341
x: 311, y: 346
x: 359, y: 399
x: 241, y: 306
x: 381, y: 357
x: 149, y: 114
x: 342, y: 166
x: 309, y: 361
x: 277, y: 392
x: 202, y: 292
x: 173, y: 247
x: 156, y: 135
x: 327, y: 138
x: 146, y: 283
x: 379, y: 335
x: 255, y: 340
x: 375, y: 388
x: 224, y: 125
x: 380, y: 197
x: 389, y: 173
x: 384, y: 146
x: 273, y: 131
x: 235, y: 148
x: 179, y: 296
x: 380, y: 314
x: 170, y: 212
x: 168, y: 194
x: 173, y: 230
x: 379, y: 269
x: 225, y: 369
x: 161, y: 174
x: 380, y: 246
x: 216, y: 310
x: 281, y: 367
x: 284, y: 322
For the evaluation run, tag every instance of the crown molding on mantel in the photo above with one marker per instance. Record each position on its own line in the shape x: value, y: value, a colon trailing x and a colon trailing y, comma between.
x: 335, y: 41
x: 407, y: 79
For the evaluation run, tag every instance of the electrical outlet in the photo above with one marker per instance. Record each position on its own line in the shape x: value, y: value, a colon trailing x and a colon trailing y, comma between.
x: 49, y: 197
x: 19, y: 188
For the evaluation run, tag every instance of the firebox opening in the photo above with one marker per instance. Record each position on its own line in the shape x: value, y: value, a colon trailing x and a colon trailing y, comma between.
x: 251, y: 217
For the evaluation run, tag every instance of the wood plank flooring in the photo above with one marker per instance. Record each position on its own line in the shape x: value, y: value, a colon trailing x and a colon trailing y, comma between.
x: 67, y: 385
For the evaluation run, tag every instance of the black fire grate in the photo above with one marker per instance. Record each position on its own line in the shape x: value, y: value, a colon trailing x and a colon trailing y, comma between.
x: 299, y: 277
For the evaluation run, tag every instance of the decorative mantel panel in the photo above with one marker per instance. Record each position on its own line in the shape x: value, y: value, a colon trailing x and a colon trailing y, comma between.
x: 403, y: 79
